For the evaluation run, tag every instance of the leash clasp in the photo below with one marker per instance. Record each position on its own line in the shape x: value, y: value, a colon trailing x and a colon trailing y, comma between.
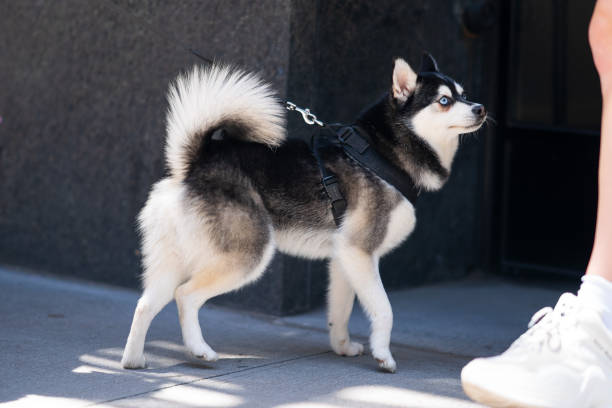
x: 308, y: 117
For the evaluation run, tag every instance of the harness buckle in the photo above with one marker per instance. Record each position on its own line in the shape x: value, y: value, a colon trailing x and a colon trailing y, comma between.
x: 344, y: 134
x: 338, y: 202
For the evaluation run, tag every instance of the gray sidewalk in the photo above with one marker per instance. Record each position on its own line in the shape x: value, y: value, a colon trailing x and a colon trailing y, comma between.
x: 61, y: 343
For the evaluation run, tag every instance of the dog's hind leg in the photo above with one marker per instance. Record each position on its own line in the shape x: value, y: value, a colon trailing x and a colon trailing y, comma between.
x: 163, y: 266
x: 361, y: 269
x: 214, y: 280
x: 157, y: 293
x: 340, y: 298
x: 224, y: 274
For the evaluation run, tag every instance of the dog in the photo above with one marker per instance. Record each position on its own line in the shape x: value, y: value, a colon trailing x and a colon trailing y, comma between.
x: 238, y: 190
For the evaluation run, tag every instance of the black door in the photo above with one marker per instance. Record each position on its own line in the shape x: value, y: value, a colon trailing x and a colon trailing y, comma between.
x: 549, y: 127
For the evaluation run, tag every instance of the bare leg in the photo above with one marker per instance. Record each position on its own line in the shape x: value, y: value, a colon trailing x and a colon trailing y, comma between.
x: 340, y: 304
x: 600, y: 37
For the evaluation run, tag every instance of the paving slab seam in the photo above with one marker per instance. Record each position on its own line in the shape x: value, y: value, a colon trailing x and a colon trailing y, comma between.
x: 209, y: 378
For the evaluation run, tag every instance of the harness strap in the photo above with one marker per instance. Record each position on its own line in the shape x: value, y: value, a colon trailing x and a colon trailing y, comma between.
x: 355, y: 142
x: 338, y: 203
x: 356, y: 145
x: 330, y: 184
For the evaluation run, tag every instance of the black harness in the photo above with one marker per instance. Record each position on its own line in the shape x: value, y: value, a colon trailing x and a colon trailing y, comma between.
x: 356, y: 143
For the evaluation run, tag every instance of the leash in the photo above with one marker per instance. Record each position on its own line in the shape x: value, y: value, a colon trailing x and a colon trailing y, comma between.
x: 308, y: 116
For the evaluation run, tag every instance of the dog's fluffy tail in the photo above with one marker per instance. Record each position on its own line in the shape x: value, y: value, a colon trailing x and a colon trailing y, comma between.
x: 206, y: 99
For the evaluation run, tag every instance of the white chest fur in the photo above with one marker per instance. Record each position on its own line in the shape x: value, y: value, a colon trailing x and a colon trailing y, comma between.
x: 402, y: 221
x: 310, y: 244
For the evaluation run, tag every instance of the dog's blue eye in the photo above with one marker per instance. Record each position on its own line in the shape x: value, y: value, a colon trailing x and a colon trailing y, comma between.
x: 464, y: 96
x: 443, y: 101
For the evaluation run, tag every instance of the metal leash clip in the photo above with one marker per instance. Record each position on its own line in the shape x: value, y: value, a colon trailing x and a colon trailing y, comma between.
x: 308, y: 117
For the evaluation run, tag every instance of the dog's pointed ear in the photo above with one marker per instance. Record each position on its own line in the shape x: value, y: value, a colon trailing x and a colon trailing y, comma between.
x: 428, y: 63
x: 404, y: 80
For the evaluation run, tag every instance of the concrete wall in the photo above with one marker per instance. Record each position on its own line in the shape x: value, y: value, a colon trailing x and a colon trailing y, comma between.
x: 83, y: 102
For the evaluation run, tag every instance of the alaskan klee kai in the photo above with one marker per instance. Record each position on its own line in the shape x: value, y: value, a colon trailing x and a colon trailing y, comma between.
x: 230, y: 202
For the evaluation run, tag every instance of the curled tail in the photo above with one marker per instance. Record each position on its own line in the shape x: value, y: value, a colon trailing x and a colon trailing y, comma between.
x: 206, y: 99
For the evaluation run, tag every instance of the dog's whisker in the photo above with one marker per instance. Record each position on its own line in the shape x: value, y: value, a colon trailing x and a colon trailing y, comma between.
x: 490, y: 119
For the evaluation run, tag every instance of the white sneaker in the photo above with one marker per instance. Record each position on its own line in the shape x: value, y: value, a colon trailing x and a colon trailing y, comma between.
x: 564, y: 360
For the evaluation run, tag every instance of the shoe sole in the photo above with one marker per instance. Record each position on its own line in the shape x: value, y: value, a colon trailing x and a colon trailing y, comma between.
x: 491, y: 399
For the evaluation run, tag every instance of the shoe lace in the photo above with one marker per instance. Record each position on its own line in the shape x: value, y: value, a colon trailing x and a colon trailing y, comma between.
x: 546, y: 326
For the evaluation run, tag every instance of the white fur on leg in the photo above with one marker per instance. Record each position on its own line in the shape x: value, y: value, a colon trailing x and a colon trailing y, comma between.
x: 362, y: 272
x: 221, y: 275
x: 189, y: 303
x: 133, y: 353
x: 152, y: 301
x: 162, y: 268
x: 157, y: 293
x: 340, y: 305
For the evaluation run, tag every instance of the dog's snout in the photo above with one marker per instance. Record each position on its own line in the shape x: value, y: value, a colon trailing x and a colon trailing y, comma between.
x: 479, y: 110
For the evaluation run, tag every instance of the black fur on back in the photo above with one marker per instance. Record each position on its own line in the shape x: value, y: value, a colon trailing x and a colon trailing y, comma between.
x: 286, y: 180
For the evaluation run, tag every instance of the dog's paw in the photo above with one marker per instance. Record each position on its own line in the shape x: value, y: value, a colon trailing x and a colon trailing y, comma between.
x: 347, y: 348
x: 212, y: 356
x: 385, y: 361
x: 204, y: 352
x: 133, y: 362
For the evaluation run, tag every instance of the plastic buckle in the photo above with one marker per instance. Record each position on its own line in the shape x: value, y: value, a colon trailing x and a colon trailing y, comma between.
x: 345, y: 134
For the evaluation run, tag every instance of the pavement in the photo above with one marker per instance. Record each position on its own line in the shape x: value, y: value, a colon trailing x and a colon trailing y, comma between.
x: 61, y: 343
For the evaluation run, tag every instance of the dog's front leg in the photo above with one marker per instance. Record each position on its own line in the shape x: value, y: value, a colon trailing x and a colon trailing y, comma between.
x: 362, y: 272
x: 340, y: 298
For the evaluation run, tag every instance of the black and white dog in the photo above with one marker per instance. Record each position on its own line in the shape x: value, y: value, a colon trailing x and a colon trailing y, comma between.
x: 230, y: 202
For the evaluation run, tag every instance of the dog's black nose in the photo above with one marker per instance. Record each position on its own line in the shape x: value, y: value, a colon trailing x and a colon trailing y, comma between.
x: 479, y: 110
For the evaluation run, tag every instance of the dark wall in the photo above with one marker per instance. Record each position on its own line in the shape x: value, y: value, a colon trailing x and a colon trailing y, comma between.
x: 83, y: 104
